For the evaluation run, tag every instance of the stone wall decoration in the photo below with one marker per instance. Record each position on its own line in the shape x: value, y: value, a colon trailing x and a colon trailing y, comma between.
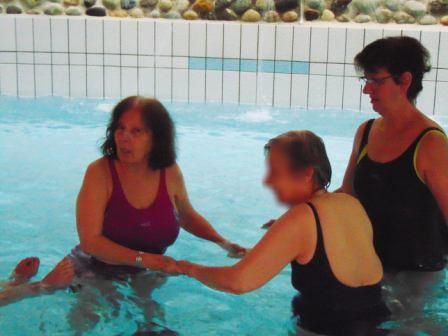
x: 423, y: 12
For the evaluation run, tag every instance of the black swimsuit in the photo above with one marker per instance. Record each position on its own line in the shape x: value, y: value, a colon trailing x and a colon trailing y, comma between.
x: 325, y: 305
x: 409, y: 228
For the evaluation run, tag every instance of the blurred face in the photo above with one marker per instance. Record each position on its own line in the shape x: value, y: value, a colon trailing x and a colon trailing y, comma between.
x: 132, y: 138
x: 385, y: 94
x: 289, y: 187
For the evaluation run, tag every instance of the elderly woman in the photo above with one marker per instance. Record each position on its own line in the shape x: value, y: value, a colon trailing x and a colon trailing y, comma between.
x: 398, y: 170
x: 326, y: 237
x: 133, y: 200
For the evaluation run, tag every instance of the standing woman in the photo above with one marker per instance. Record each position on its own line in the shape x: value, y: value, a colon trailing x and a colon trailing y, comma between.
x: 398, y: 169
x: 326, y: 237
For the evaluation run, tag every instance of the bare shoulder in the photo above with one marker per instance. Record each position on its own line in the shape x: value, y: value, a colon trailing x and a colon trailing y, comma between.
x: 299, y: 214
x: 174, y: 174
x: 98, y: 171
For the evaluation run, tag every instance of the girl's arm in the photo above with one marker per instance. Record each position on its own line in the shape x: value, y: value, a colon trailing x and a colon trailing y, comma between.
x: 286, y: 240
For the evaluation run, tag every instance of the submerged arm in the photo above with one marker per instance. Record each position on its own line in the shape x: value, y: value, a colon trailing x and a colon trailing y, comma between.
x: 282, y: 243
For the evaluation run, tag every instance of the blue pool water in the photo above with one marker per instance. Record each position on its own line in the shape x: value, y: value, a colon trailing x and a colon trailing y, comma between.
x: 45, y: 146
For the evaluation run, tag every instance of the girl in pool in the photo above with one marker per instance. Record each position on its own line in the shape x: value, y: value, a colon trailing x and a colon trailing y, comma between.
x: 326, y: 237
x: 18, y: 286
x: 133, y: 200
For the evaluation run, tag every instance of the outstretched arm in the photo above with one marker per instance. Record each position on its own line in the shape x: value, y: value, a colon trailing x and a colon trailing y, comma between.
x: 60, y: 277
x: 286, y: 240
x: 195, y: 223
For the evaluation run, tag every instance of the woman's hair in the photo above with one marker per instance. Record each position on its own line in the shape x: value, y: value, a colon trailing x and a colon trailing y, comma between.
x: 397, y: 55
x: 156, y: 119
x: 305, y: 149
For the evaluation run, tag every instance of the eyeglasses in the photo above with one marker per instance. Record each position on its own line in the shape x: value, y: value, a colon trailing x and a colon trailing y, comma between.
x: 376, y: 81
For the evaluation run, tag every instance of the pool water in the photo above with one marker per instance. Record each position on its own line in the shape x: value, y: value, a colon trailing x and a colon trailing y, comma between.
x: 45, y: 147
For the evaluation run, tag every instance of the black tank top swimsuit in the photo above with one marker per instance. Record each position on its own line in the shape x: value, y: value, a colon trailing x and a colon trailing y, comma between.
x: 409, y: 229
x: 325, y: 305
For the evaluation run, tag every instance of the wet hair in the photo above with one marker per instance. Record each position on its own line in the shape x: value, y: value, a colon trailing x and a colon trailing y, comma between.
x: 397, y: 55
x: 305, y: 149
x: 156, y: 119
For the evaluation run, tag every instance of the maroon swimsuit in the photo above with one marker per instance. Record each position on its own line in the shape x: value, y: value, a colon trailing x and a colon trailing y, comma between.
x: 152, y: 229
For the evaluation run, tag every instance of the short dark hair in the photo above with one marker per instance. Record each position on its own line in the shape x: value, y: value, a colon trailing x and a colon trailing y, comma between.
x: 156, y: 119
x: 397, y: 55
x: 305, y: 149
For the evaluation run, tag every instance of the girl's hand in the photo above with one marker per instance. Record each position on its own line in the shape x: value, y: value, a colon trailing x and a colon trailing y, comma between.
x: 234, y: 250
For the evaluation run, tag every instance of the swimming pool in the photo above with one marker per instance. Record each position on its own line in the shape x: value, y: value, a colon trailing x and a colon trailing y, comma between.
x: 45, y: 146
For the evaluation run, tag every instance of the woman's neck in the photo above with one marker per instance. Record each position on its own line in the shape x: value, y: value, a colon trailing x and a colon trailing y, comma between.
x: 400, y: 117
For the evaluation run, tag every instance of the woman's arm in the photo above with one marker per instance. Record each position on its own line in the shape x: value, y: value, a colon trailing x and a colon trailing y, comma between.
x: 90, y: 207
x: 287, y: 239
x: 192, y: 221
x: 432, y: 166
x: 347, y: 183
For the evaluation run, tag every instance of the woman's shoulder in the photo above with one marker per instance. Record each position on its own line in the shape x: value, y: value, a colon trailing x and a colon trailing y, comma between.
x: 98, y: 169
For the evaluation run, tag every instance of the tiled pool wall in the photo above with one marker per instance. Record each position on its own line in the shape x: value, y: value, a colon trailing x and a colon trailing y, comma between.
x: 287, y: 65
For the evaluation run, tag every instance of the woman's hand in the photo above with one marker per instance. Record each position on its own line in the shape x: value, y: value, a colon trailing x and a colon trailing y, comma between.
x: 234, y: 250
x: 161, y: 263
x: 185, y: 267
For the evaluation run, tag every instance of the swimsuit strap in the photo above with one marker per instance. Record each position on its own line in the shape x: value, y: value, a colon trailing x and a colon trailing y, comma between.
x: 365, y: 136
x: 318, y: 227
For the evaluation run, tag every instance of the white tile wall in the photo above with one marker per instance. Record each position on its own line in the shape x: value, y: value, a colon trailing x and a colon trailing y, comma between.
x: 282, y: 90
x: 59, y: 34
x: 314, y: 62
x: 215, y: 37
x: 77, y: 35
x: 180, y: 85
x: 197, y: 85
x: 43, y: 76
x: 299, y: 90
x: 198, y: 38
x: 230, y: 86
x: 78, y: 81
x: 180, y: 38
x: 319, y: 44
x: 249, y: 41
x: 25, y: 80
x: 60, y: 79
x: 265, y: 89
x: 146, y: 81
x: 95, y: 85
x: 316, y: 92
x: 42, y: 40
x: 232, y: 40
x: 248, y: 87
x: 213, y: 86
x: 266, y: 42
x: 24, y: 30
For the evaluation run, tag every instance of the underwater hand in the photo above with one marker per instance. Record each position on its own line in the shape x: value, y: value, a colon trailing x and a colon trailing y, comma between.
x: 234, y: 250
x: 170, y: 267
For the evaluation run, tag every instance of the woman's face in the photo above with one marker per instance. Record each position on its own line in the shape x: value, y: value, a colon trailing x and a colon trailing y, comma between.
x: 385, y: 94
x: 133, y: 140
x: 289, y: 187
